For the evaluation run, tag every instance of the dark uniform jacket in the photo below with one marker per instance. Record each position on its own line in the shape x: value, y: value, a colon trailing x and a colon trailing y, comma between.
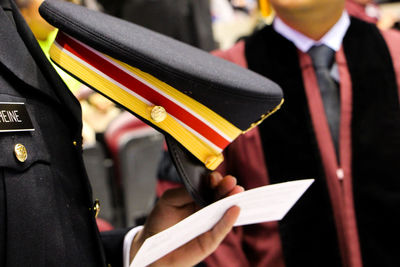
x: 46, y: 215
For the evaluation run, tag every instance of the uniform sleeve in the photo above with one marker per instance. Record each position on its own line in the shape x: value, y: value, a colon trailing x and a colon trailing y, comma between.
x: 113, y: 246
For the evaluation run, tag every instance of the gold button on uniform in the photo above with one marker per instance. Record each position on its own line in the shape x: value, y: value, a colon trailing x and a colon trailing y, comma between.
x: 20, y: 152
x: 158, y: 113
x: 96, y: 208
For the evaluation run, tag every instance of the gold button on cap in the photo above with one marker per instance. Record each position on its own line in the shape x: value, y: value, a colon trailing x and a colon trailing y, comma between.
x: 158, y: 113
x: 20, y: 152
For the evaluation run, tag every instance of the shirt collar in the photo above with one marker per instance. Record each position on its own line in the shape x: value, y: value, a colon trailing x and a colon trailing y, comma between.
x: 333, y: 38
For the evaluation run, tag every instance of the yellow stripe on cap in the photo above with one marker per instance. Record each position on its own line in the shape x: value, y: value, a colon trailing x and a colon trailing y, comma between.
x: 204, y: 152
x: 199, y: 129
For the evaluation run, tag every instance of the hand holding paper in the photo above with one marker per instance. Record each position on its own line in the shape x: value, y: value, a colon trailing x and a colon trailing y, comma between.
x: 175, y: 205
x: 263, y: 204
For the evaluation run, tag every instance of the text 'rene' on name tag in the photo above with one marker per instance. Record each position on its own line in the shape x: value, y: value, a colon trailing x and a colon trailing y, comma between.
x: 14, y: 117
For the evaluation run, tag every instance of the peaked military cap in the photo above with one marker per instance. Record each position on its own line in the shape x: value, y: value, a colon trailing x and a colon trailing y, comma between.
x: 200, y: 102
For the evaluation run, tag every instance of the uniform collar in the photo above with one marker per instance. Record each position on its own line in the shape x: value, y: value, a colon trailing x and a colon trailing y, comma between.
x: 333, y: 38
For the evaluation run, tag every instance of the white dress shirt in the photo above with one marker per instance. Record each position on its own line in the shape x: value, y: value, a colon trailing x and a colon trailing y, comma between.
x: 333, y: 38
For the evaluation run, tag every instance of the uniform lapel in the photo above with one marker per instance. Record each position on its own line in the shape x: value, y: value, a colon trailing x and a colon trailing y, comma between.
x: 32, y: 66
x: 20, y: 63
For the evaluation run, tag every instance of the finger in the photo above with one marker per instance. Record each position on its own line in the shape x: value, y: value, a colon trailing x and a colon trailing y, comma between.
x: 226, y: 185
x: 238, y: 189
x: 215, y: 179
x: 177, y: 197
x: 226, y: 223
x: 224, y: 226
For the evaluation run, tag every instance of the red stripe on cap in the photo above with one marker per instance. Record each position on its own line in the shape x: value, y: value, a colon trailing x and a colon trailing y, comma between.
x: 140, y: 88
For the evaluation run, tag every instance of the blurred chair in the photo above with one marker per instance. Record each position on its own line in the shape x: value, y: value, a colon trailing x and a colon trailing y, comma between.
x: 136, y: 149
x: 98, y: 170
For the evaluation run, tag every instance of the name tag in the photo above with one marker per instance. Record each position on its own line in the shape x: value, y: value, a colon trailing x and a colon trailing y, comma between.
x: 14, y: 118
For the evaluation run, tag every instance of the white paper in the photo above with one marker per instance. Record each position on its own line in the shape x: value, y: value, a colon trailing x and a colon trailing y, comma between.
x: 262, y: 204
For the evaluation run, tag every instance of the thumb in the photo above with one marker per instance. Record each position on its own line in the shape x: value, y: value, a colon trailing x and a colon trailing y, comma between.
x: 210, y: 240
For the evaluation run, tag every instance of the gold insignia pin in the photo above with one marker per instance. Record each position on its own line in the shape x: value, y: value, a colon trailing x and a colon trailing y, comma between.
x: 20, y: 152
